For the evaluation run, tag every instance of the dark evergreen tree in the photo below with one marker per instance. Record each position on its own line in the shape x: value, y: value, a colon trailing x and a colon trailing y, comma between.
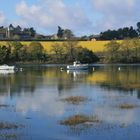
x: 60, y: 32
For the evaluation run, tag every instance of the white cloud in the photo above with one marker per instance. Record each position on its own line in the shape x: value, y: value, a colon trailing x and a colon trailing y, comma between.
x: 46, y: 15
x: 46, y: 103
x: 2, y: 18
x: 49, y: 14
x: 116, y: 13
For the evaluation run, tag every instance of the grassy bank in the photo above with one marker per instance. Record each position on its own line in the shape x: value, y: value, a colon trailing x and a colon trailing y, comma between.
x: 95, y: 46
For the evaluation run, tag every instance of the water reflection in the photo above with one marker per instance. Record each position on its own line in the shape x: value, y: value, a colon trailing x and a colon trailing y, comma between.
x: 37, y: 93
x: 111, y: 78
x: 5, y: 72
x: 106, y: 77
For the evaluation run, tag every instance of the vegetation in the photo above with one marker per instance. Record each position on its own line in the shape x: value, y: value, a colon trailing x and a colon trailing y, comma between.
x: 112, y: 52
x: 5, y: 136
x: 58, y: 53
x: 17, y: 52
x: 7, y: 126
x: 4, y: 106
x: 70, y: 51
x: 125, y: 51
x: 119, y: 34
x: 79, y: 119
x: 4, y: 52
x: 127, y: 106
x: 95, y: 46
x: 75, y: 99
x: 128, y: 51
x: 64, y: 33
x: 86, y: 56
x: 19, y: 33
x: 35, y: 52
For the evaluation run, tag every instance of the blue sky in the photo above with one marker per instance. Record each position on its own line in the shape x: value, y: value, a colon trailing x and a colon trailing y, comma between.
x: 81, y: 16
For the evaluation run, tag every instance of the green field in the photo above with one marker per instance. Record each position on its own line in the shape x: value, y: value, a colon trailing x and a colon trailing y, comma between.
x: 95, y: 46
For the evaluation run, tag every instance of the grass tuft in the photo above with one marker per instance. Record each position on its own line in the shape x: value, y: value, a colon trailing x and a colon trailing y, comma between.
x: 6, y: 125
x: 79, y: 119
x: 127, y: 106
x: 75, y: 99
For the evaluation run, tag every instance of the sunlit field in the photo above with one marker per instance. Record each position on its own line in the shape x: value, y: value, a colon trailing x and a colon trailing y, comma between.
x: 95, y: 46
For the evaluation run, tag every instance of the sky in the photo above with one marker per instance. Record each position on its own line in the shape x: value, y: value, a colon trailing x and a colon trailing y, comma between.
x: 83, y: 17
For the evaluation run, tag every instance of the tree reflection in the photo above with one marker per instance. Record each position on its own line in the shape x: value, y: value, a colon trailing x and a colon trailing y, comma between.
x: 125, y: 79
x: 108, y: 77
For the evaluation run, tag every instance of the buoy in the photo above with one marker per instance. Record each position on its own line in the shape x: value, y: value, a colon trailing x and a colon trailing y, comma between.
x: 21, y: 69
x: 61, y: 69
x: 119, y: 69
x: 93, y: 69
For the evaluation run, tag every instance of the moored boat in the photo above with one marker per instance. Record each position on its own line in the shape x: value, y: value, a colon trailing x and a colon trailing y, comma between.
x: 6, y: 67
x: 77, y: 66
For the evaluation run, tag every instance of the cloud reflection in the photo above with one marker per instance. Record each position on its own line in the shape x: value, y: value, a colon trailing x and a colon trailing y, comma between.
x: 45, y: 102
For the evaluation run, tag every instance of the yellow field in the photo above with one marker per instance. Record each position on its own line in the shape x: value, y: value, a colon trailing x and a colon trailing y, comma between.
x: 95, y: 46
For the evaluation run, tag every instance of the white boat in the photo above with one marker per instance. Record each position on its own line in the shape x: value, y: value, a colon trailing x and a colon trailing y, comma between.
x: 6, y: 67
x: 5, y: 72
x: 77, y: 66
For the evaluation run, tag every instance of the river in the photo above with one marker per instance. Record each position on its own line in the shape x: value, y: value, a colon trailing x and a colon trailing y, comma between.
x: 46, y: 103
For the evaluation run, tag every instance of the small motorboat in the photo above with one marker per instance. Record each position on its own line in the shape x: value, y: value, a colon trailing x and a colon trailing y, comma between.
x: 77, y: 66
x: 5, y: 72
x: 6, y: 67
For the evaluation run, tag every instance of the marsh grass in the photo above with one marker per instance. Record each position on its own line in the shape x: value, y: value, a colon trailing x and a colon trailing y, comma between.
x: 127, y: 106
x: 6, y: 136
x: 4, y: 106
x: 7, y: 126
x: 133, y: 86
x: 75, y: 99
x: 79, y: 119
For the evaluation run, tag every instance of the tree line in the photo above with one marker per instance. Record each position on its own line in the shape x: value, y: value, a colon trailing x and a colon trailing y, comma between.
x: 18, y: 33
x: 127, y: 51
x: 71, y: 51
x: 17, y: 52
x: 121, y: 33
x: 67, y: 52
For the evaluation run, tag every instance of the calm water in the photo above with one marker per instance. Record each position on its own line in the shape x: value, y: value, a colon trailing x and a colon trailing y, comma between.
x: 33, y: 100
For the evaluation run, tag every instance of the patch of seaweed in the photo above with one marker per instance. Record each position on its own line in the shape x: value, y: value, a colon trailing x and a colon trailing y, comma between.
x: 75, y: 99
x: 4, y: 106
x: 127, y: 106
x: 79, y: 119
x: 6, y: 136
x: 7, y: 125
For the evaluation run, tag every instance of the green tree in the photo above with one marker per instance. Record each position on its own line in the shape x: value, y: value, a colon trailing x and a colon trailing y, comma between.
x: 32, y: 32
x: 71, y: 50
x: 126, y: 51
x: 57, y: 52
x: 112, y: 53
x: 15, y: 50
x: 86, y: 56
x: 36, y: 51
x: 60, y: 32
x: 4, y: 53
x: 135, y: 45
x: 132, y: 33
x: 23, y: 55
x: 138, y: 28
x: 68, y: 34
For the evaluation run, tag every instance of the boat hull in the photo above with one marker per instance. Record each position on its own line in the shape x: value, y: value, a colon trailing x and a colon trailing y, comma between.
x: 7, y: 67
x: 77, y: 67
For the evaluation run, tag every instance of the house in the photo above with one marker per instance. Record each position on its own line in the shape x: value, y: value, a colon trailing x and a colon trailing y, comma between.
x: 54, y: 37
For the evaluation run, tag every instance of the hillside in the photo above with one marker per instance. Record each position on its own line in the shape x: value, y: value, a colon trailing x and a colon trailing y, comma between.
x: 95, y: 46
